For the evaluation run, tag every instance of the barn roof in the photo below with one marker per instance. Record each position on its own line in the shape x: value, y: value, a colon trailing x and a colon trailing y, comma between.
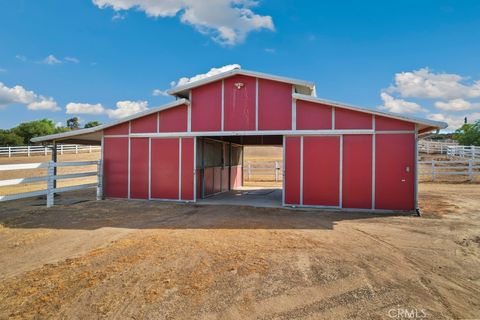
x: 304, y: 91
x: 424, y: 123
x: 301, y: 86
x: 93, y: 135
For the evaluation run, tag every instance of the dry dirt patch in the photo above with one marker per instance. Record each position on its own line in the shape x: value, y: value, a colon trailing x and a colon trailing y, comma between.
x: 119, y: 259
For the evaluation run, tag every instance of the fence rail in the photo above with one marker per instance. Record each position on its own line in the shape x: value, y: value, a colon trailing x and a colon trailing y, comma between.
x: 430, y: 146
x: 472, y: 152
x: 50, y: 178
x: 265, y: 171
x: 434, y: 169
x: 45, y: 150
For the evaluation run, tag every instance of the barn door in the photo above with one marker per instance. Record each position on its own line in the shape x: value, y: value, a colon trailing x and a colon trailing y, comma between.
x: 394, y: 171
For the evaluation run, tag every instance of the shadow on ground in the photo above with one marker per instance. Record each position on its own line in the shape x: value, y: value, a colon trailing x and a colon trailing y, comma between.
x: 77, y: 210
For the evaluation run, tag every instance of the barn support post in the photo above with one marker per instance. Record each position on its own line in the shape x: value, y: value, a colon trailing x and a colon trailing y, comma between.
x: 100, y: 180
x: 51, y: 181
x: 54, y: 159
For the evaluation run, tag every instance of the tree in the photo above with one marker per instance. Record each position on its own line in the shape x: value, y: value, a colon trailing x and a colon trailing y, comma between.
x: 92, y: 124
x: 8, y: 138
x: 468, y: 134
x: 73, y: 123
x: 29, y: 130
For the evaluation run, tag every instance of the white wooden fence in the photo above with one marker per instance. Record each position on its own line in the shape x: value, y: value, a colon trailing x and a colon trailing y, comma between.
x: 434, y: 169
x: 472, y: 152
x: 431, y: 146
x: 50, y: 178
x: 266, y: 171
x: 45, y: 150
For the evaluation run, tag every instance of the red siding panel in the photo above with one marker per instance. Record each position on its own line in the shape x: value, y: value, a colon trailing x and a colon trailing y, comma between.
x: 274, y: 105
x: 174, y: 119
x: 236, y: 177
x: 357, y: 172
x: 217, y: 179
x: 321, y: 171
x: 121, y: 128
x: 188, y: 159
x: 239, y: 103
x: 145, y: 124
x: 165, y: 168
x: 206, y: 107
x: 139, y: 168
x: 225, y: 179
x: 208, y: 185
x: 116, y: 167
x: 394, y: 186
x: 386, y: 124
x: 311, y: 116
x: 349, y: 119
x: 292, y: 170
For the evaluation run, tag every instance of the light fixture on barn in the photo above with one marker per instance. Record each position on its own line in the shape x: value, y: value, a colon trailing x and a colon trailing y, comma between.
x: 239, y: 85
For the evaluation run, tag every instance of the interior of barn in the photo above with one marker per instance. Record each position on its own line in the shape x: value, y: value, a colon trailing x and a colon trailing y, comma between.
x: 240, y: 170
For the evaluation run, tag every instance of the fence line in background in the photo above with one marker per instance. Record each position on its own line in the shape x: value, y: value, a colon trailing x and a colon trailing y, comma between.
x: 45, y: 150
x: 266, y: 171
x: 464, y: 151
x: 430, y: 146
x: 50, y: 178
x: 434, y: 168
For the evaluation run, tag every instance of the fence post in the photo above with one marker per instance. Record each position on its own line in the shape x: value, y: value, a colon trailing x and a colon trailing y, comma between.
x: 470, y: 169
x: 100, y: 180
x: 50, y: 187
x: 276, y: 171
x: 28, y: 151
x: 9, y: 152
x: 45, y: 150
x: 76, y: 148
x: 433, y: 170
x: 61, y: 149
x: 90, y: 149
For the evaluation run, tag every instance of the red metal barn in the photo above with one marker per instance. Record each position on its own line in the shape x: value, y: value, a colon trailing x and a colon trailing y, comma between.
x: 335, y: 155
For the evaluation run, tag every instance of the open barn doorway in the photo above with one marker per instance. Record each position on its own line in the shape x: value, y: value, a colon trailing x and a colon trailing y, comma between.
x: 240, y: 170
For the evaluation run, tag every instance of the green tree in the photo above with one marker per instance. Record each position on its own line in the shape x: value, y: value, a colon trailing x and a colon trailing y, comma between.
x: 73, y: 123
x: 29, y: 130
x: 8, y: 138
x: 468, y: 134
x: 92, y: 124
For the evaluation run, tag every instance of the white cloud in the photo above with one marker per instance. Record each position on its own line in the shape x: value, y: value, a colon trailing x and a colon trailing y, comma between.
x: 127, y: 108
x: 51, y: 59
x: 118, y: 16
x: 398, y: 105
x: 3, y: 70
x: 19, y: 95
x: 269, y: 50
x: 226, y: 21
x: 425, y: 84
x: 214, y: 71
x: 72, y: 59
x: 84, y: 108
x: 158, y: 92
x: 456, y: 105
x: 21, y: 57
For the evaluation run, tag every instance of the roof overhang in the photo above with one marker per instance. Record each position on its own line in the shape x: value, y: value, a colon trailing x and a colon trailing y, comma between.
x: 424, y: 125
x: 301, y: 86
x: 94, y: 135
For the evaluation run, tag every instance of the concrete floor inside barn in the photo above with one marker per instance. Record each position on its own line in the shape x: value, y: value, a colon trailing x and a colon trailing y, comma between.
x: 266, y: 197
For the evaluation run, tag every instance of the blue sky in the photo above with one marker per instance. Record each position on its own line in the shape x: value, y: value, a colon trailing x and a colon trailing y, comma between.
x: 105, y: 58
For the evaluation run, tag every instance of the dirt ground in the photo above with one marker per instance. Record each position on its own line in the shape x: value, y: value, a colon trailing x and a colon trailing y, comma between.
x: 120, y: 259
